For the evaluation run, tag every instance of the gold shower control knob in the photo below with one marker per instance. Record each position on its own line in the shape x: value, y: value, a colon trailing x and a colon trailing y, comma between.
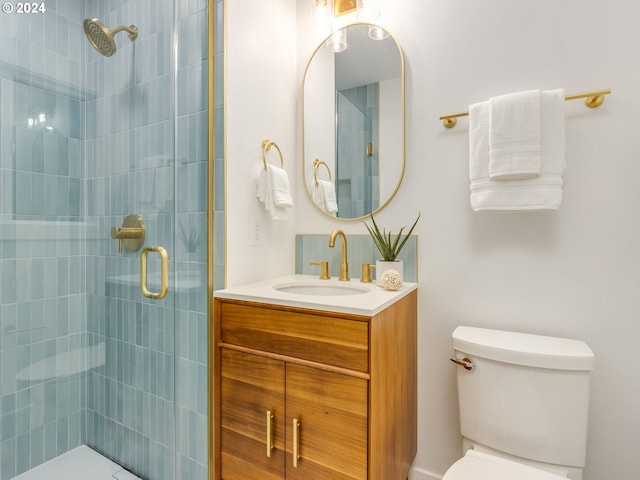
x: 130, y: 234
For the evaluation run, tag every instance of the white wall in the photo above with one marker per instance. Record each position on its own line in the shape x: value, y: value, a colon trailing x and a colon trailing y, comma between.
x: 260, y: 79
x: 573, y: 273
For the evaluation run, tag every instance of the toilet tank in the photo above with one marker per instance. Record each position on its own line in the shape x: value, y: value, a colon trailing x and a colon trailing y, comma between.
x: 527, y: 395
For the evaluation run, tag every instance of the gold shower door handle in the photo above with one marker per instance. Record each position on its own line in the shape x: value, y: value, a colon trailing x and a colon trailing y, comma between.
x: 164, y: 273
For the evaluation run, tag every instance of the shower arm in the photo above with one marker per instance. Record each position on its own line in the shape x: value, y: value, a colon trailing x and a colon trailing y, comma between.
x: 132, y: 31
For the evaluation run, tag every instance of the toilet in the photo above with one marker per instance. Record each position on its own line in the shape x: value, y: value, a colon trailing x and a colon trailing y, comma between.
x: 524, y: 403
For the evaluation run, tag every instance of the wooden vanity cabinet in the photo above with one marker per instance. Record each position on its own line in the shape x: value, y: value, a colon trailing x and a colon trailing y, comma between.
x: 252, y: 386
x: 348, y: 380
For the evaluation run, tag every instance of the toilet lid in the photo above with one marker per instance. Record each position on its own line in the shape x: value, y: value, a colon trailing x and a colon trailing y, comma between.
x: 483, y: 466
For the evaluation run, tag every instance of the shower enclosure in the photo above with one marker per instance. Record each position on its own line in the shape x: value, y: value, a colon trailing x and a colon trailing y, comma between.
x: 86, y: 140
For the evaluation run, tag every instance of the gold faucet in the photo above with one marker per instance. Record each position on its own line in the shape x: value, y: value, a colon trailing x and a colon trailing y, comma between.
x: 344, y: 266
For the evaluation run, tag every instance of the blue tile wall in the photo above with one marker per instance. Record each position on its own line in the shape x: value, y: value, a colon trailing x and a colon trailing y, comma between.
x: 360, y: 249
x: 107, y: 137
x: 42, y: 255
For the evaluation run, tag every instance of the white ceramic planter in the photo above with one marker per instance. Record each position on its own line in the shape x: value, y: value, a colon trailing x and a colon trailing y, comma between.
x: 382, y: 266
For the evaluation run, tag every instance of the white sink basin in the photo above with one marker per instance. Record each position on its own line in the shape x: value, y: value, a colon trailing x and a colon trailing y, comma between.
x: 313, y: 288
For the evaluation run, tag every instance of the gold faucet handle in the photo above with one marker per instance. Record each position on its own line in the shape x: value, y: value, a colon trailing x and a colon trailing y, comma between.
x: 324, y: 269
x: 366, y: 272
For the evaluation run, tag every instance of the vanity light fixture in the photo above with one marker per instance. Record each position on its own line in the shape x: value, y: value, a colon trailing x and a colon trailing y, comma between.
x: 377, y: 33
x: 337, y: 42
x: 325, y: 12
x: 322, y: 19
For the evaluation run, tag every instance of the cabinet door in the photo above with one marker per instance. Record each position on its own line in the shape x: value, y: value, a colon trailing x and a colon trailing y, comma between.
x: 251, y: 386
x: 331, y: 409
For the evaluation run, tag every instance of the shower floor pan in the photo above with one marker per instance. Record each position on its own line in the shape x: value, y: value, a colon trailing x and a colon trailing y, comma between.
x: 81, y: 463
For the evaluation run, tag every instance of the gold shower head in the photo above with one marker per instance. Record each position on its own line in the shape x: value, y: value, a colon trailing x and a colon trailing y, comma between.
x: 102, y: 38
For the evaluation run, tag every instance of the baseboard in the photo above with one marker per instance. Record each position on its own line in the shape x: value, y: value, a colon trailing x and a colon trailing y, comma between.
x: 417, y: 474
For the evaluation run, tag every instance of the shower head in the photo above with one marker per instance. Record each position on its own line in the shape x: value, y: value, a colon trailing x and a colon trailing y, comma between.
x: 102, y: 38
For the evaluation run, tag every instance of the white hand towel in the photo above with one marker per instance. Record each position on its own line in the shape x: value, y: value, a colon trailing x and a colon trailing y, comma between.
x: 317, y: 195
x: 553, y: 132
x: 273, y: 190
x: 323, y: 194
x: 329, y: 196
x: 479, y: 141
x: 541, y: 193
x: 280, y: 186
x: 515, y: 136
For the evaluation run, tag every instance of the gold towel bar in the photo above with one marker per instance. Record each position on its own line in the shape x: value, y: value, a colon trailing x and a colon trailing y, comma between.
x: 591, y: 99
x: 266, y: 146
x: 316, y: 163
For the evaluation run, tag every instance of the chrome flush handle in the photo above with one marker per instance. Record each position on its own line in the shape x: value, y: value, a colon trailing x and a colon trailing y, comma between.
x: 466, y: 362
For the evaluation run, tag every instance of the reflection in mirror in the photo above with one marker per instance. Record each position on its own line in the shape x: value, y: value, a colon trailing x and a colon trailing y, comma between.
x: 353, y: 132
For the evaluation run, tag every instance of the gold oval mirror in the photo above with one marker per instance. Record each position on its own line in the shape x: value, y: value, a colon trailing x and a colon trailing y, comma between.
x: 353, y: 121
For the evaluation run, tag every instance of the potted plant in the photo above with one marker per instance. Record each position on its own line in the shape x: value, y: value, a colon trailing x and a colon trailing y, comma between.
x: 389, y: 247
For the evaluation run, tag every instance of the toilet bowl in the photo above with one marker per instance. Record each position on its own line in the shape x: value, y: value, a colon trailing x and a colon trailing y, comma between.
x: 523, y: 403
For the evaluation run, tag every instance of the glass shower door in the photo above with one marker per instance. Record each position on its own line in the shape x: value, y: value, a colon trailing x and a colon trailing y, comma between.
x: 85, y: 141
x: 131, y: 171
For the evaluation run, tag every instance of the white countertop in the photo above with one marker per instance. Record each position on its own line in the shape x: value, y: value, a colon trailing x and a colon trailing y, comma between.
x: 371, y: 302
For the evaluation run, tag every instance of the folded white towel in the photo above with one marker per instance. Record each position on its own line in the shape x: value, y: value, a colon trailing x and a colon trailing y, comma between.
x: 280, y: 186
x: 329, y: 195
x: 274, y: 191
x: 323, y: 194
x: 515, y: 136
x: 479, y: 141
x: 541, y: 193
x: 553, y: 132
x: 317, y: 195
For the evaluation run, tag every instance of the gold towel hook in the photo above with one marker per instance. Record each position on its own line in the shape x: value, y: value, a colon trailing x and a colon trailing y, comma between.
x: 316, y: 163
x: 592, y: 99
x: 266, y: 146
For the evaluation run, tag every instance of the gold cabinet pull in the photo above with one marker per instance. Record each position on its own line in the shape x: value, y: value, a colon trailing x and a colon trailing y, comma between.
x: 164, y: 273
x: 296, y: 440
x: 269, y: 433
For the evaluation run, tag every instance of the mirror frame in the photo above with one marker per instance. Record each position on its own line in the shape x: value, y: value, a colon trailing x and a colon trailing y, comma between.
x: 403, y: 122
